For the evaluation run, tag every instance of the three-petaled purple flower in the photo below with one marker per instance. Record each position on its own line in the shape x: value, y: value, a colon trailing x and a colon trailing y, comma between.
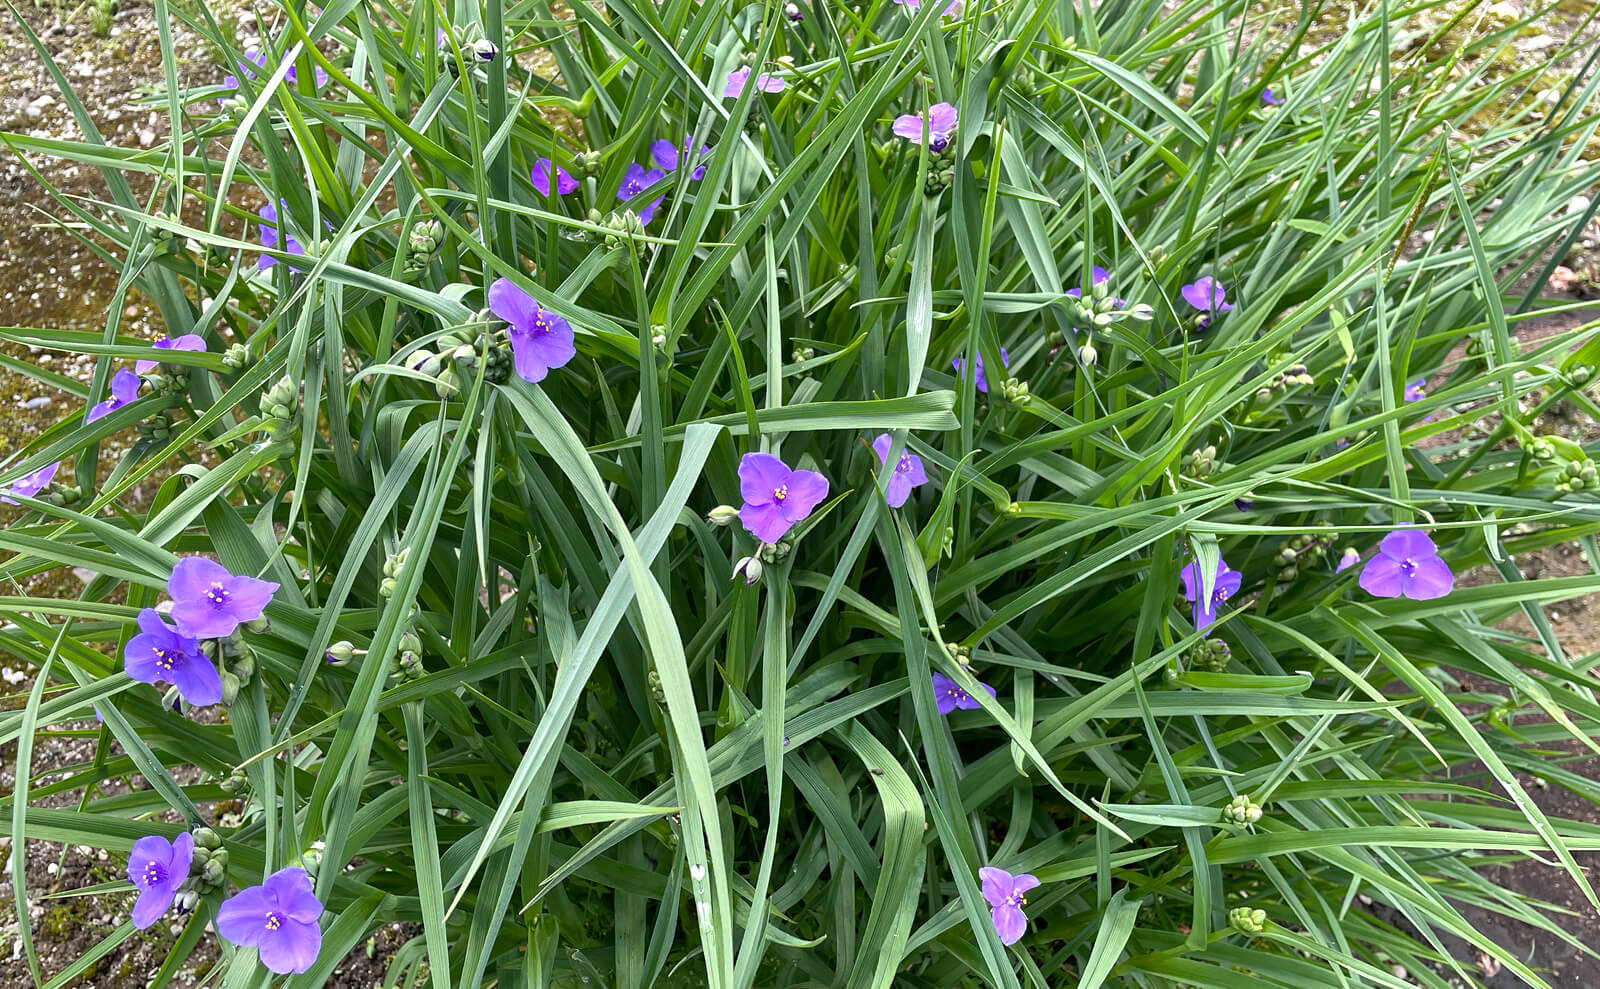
x: 540, y: 339
x: 1407, y: 565
x: 667, y: 156
x: 279, y: 918
x: 908, y: 471
x: 565, y: 183
x: 960, y: 365
x: 1208, y: 294
x: 949, y: 695
x: 189, y: 341
x: 258, y: 60
x: 775, y: 497
x: 636, y: 180
x: 764, y: 83
x: 208, y: 602
x: 1417, y: 390
x: 29, y: 485
x: 161, y: 654
x: 1224, y: 586
x: 270, y: 237
x: 158, y: 867
x: 1006, y: 895
x: 940, y: 120
x: 124, y: 389
x: 1269, y: 99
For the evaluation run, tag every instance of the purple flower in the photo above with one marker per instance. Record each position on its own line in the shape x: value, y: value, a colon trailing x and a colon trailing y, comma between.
x: 1096, y: 276
x: 954, y: 10
x: 1206, y: 293
x: 908, y: 472
x: 960, y: 364
x: 1224, y: 586
x: 764, y: 83
x: 1417, y: 390
x: 775, y: 497
x: 636, y: 180
x: 1269, y: 99
x: 189, y: 341
x: 666, y: 156
x: 31, y: 484
x: 124, y: 389
x: 279, y: 918
x: 208, y: 602
x: 1007, y: 894
x: 259, y: 61
x: 949, y: 695
x: 158, y: 867
x: 540, y: 339
x: 269, y: 236
x: 1407, y: 566
x: 161, y: 654
x: 541, y: 178
x: 941, y: 121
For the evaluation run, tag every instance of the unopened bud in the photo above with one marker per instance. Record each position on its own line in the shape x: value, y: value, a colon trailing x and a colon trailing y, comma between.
x: 749, y: 568
x: 230, y: 688
x: 1242, y: 810
x: 722, y: 515
x: 340, y: 653
x: 484, y: 50
x: 1247, y: 920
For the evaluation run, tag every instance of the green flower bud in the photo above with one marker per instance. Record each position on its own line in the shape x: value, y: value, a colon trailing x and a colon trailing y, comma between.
x: 235, y: 357
x: 722, y: 515
x: 586, y: 164
x: 1247, y: 920
x: 340, y: 653
x: 230, y: 688
x: 749, y: 568
x: 207, y: 839
x: 1242, y: 810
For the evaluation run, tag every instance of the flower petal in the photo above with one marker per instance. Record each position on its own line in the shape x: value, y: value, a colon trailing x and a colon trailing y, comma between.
x: 899, y: 489
x: 151, y: 848
x: 152, y: 903
x: 806, y: 489
x: 197, y: 680
x: 764, y: 521
x: 193, y: 576
x: 512, y: 304
x: 1431, y: 579
x: 759, y: 475
x: 292, y: 948
x: 997, y: 884
x: 242, y: 918
x: 1408, y: 544
x: 1382, y: 577
x: 1009, y: 923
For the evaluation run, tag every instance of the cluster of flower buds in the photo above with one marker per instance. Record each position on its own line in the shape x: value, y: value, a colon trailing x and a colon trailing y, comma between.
x: 209, y: 867
x: 235, y: 659
x: 941, y: 167
x: 960, y: 653
x: 235, y: 358
x: 1211, y: 655
x: 802, y: 353
x: 622, y: 226
x: 61, y: 494
x: 1016, y: 391
x: 1578, y: 375
x: 158, y: 426
x: 1541, y: 448
x: 475, y: 47
x: 752, y: 567
x: 409, y: 666
x: 1577, y: 475
x: 1247, y: 920
x: 1293, y: 376
x: 1242, y: 810
x: 586, y: 164
x: 949, y: 540
x: 657, y: 691
x: 235, y: 784
x: 281, y: 400
x: 424, y: 241
x: 1306, y: 549
x: 392, y: 566
x: 1098, y: 307
x: 1199, y: 463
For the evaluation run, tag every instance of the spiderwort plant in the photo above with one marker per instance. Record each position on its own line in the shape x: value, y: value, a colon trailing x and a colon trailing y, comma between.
x: 1225, y: 584
x: 30, y: 485
x: 764, y: 83
x: 208, y: 602
x: 541, y: 340
x: 775, y: 497
x: 959, y: 365
x: 124, y: 389
x: 1006, y: 895
x: 278, y: 918
x: 540, y: 175
x: 908, y: 471
x: 949, y: 696
x: 157, y: 868
x: 1407, y: 565
x: 162, y: 654
x: 192, y: 342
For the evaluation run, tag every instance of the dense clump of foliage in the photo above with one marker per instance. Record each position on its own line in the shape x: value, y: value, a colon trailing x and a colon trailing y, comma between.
x: 797, y: 494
